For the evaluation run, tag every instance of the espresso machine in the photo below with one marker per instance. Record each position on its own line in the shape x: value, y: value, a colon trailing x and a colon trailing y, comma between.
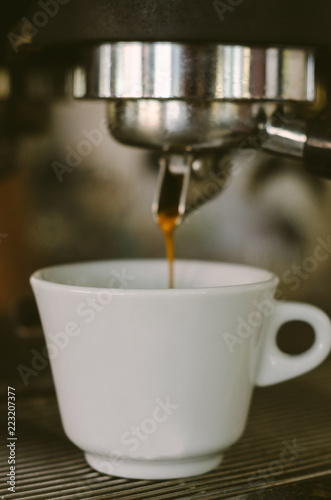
x: 190, y: 81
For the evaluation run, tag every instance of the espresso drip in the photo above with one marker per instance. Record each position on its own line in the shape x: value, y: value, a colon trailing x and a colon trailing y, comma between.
x: 167, y: 223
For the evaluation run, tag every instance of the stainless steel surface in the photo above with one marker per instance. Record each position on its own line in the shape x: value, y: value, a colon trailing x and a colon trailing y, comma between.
x: 180, y: 97
x: 309, y: 141
x: 178, y: 125
x: 164, y: 70
x: 287, y: 441
x: 284, y: 135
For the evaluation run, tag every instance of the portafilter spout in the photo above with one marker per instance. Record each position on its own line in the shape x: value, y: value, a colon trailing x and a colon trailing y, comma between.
x: 187, y: 181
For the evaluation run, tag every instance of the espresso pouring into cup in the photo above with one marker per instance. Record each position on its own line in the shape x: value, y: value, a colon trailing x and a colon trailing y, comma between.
x: 164, y: 375
x: 189, y: 90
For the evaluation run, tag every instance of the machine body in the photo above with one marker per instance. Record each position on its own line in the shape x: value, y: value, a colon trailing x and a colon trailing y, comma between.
x: 193, y: 80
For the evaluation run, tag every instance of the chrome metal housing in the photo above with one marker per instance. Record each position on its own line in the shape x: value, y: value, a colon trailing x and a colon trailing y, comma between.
x: 165, y: 70
x: 183, y: 125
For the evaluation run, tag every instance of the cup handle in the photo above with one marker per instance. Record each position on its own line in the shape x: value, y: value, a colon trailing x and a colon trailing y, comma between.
x: 275, y: 365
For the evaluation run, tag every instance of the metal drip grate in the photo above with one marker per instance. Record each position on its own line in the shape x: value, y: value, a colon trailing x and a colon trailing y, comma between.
x: 287, y: 442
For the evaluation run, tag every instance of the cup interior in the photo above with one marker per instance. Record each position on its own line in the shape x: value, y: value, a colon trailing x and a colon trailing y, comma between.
x: 153, y: 274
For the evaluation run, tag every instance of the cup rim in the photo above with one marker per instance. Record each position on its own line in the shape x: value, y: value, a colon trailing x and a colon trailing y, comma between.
x: 38, y: 280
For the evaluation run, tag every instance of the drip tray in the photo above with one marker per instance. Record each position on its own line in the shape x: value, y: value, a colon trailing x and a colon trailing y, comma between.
x: 285, y: 453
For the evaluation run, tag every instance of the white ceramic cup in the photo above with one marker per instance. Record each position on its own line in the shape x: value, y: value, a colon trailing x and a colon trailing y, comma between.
x: 156, y: 383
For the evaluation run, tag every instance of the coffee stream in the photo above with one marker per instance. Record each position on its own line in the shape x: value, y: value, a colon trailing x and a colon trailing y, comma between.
x: 167, y: 223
